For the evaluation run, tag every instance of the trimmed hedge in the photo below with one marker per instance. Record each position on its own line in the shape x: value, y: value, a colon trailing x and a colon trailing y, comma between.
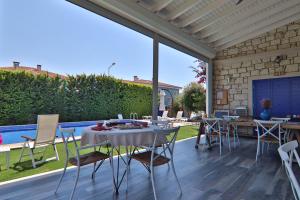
x: 23, y: 96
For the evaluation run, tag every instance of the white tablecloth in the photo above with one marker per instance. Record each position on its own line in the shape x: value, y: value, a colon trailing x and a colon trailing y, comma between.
x: 124, y: 137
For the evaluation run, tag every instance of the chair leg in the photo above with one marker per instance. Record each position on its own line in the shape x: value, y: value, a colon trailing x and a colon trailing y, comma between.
x: 220, y: 136
x: 22, y: 152
x: 258, y: 149
x: 174, y: 172
x: 152, y: 179
x: 76, y: 181
x: 55, y: 150
x: 63, y: 174
x: 94, y: 171
x: 32, y: 157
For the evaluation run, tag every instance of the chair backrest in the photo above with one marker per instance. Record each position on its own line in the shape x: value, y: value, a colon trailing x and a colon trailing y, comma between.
x: 265, y: 127
x: 46, y: 129
x: 161, y: 123
x: 120, y: 116
x: 170, y: 132
x: 221, y: 113
x: 283, y: 119
x: 179, y: 114
x: 165, y: 114
x: 212, y: 124
x: 287, y: 153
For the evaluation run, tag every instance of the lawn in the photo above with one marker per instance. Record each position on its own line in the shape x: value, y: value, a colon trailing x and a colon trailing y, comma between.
x: 24, y: 168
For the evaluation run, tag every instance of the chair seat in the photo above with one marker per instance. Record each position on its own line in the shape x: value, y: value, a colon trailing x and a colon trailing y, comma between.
x: 145, y: 158
x: 89, y: 158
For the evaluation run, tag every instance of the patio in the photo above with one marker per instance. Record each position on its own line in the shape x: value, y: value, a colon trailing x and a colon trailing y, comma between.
x: 202, y: 174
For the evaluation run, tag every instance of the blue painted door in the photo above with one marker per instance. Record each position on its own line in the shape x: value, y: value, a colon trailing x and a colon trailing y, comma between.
x: 283, y: 92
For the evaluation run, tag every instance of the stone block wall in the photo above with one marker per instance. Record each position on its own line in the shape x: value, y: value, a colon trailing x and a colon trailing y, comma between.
x: 236, y: 66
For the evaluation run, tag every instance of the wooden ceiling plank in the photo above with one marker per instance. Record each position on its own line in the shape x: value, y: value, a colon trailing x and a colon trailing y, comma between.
x: 202, y: 12
x: 264, y: 26
x: 282, y: 6
x: 184, y: 7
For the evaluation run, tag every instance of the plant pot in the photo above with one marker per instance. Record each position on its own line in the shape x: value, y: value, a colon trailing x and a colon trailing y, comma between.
x: 265, y: 114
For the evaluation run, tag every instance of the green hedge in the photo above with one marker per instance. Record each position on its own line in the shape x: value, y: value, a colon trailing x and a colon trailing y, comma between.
x: 23, y: 96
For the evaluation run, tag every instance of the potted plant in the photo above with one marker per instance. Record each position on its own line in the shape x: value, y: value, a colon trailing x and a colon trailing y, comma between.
x: 266, y: 104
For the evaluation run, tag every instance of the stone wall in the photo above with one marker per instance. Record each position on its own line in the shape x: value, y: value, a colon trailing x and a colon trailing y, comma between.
x: 237, y: 66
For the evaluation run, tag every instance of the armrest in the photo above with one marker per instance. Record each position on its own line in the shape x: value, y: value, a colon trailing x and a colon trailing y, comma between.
x: 27, y: 138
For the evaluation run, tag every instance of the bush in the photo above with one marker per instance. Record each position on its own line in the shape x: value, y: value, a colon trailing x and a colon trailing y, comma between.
x: 23, y: 96
x: 194, y: 97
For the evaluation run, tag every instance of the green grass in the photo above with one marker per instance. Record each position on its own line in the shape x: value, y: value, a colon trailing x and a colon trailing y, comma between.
x: 24, y: 168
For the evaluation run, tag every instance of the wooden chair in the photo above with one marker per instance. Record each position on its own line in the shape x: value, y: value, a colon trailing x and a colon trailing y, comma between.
x: 287, y: 153
x: 80, y: 159
x: 153, y: 157
x: 45, y: 136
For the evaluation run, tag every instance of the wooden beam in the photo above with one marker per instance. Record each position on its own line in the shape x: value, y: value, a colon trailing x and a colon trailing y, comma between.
x: 259, y: 31
x: 224, y: 14
x: 202, y: 12
x: 161, y: 4
x: 155, y: 77
x: 282, y: 6
x: 182, y: 8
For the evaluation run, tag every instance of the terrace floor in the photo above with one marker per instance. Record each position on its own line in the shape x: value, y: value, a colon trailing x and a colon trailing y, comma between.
x: 203, y: 175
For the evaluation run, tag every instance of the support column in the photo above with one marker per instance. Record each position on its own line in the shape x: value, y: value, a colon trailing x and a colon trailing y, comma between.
x: 155, y: 77
x: 209, y: 88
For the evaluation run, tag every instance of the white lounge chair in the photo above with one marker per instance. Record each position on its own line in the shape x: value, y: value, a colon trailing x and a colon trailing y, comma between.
x: 45, y: 136
x: 120, y: 116
x: 179, y: 117
x: 164, y: 116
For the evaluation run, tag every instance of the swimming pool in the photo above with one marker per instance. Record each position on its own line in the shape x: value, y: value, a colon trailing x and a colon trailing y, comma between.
x: 12, y: 134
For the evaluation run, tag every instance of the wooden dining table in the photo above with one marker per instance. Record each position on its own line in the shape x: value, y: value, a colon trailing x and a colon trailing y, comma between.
x: 294, y: 127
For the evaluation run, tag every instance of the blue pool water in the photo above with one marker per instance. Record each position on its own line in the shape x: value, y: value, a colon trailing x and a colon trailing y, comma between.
x: 12, y: 134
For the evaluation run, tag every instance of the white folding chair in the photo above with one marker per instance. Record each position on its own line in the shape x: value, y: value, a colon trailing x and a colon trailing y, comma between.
x: 45, y: 136
x: 153, y: 157
x: 287, y: 153
x: 266, y: 132
x: 213, y: 126
x: 80, y: 159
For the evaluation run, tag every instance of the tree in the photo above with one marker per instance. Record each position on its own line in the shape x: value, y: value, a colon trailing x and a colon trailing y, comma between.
x: 194, y: 97
x: 200, y: 71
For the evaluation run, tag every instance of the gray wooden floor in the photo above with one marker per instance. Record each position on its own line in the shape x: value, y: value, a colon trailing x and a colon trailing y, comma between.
x: 203, y: 175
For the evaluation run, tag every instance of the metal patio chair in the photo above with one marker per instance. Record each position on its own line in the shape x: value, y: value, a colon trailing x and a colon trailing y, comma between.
x: 215, y: 129
x: 285, y: 132
x: 288, y: 153
x: 155, y: 157
x: 267, y: 132
x: 80, y: 159
x: 45, y: 136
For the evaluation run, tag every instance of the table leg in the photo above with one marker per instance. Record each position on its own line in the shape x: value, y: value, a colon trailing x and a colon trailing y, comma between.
x: 7, y: 160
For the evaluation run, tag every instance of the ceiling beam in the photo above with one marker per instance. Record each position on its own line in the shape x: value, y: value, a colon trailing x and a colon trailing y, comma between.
x: 182, y: 8
x: 235, y: 17
x: 161, y: 4
x: 282, y: 6
x: 136, y: 14
x: 224, y: 13
x: 202, y: 12
x: 259, y: 30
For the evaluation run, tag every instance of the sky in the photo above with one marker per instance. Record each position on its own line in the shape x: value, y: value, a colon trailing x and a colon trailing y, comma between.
x: 67, y: 39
